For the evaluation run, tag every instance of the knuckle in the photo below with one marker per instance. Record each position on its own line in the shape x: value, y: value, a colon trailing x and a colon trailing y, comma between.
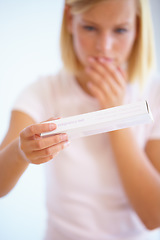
x: 27, y: 155
x: 21, y: 134
x: 61, y: 147
x: 51, y: 157
x: 103, y: 84
x: 48, y: 151
x: 37, y: 163
x: 58, y: 148
x: 112, y: 69
x: 55, y: 154
x: 57, y: 138
x: 46, y: 159
x: 31, y: 129
x: 20, y: 143
x: 39, y: 144
x: 22, y: 147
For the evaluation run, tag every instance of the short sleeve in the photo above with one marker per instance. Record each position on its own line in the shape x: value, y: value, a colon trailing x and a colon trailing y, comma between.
x: 155, y: 132
x: 154, y: 102
x: 35, y: 100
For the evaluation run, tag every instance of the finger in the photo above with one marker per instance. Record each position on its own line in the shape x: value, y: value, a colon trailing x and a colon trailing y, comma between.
x: 42, y: 160
x: 116, y: 73
x: 97, y: 92
x: 112, y: 73
x: 111, y: 86
x: 47, y: 154
x: 46, y: 142
x: 101, y: 76
x: 51, y: 119
x: 106, y: 86
x: 50, y: 150
x: 97, y: 66
x: 106, y: 97
x: 95, y: 77
x: 37, y: 129
x: 115, y: 77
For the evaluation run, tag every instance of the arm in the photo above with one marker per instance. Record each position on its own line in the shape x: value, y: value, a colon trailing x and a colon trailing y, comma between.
x: 138, y: 169
x: 140, y: 177
x: 12, y: 164
x: 23, y: 145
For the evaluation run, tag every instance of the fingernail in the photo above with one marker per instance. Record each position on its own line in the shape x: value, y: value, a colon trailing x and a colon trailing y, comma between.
x: 64, y: 137
x: 52, y: 126
x: 102, y: 60
x: 91, y: 59
x: 66, y: 144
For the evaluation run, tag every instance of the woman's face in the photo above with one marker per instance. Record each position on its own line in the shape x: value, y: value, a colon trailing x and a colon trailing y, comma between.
x: 107, y: 30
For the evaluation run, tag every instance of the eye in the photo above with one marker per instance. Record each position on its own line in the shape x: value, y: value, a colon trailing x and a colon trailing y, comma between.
x: 89, y: 28
x: 121, y: 30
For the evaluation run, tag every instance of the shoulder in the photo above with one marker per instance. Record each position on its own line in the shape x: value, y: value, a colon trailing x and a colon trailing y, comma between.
x: 51, y: 82
x: 43, y: 86
x: 152, y: 89
x: 39, y: 100
x: 153, y: 82
x: 45, y: 82
x: 152, y: 95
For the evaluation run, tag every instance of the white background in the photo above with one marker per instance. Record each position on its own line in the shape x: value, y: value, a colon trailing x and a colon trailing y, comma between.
x: 29, y: 36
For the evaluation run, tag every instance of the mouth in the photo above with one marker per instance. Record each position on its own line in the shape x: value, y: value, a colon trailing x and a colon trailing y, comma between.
x: 105, y: 59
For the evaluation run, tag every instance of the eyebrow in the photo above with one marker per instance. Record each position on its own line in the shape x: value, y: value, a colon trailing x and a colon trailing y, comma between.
x: 91, y: 22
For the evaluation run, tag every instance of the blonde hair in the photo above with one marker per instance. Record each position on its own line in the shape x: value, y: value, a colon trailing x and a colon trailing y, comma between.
x: 142, y: 59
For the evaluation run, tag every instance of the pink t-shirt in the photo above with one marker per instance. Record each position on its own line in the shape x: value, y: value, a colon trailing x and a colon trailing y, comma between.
x: 84, y: 194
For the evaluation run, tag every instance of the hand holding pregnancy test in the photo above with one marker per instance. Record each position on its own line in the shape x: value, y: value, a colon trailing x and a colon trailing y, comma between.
x: 103, y: 120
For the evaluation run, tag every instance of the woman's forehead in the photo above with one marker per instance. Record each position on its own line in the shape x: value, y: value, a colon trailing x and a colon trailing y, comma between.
x: 117, y: 11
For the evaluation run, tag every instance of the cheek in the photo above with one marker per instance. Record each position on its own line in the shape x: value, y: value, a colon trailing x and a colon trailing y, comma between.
x: 82, y: 47
x: 125, y: 46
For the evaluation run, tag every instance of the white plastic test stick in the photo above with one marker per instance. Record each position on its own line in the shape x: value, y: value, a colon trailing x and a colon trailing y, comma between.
x: 103, y: 120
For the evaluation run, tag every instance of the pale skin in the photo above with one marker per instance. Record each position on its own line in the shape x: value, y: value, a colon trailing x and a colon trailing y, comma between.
x: 103, y: 38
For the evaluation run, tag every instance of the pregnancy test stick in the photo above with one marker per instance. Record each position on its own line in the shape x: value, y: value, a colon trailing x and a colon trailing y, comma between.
x: 106, y: 120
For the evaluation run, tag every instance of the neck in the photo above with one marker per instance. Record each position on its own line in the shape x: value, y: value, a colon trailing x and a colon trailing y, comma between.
x: 82, y: 79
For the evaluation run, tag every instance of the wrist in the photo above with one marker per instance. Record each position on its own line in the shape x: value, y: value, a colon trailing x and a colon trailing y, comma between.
x: 121, y: 135
x: 21, y: 154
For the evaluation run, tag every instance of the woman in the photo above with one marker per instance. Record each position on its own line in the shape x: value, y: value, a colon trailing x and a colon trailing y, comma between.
x: 105, y: 186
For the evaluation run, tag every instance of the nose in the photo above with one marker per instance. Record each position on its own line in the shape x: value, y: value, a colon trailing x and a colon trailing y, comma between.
x: 105, y: 42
